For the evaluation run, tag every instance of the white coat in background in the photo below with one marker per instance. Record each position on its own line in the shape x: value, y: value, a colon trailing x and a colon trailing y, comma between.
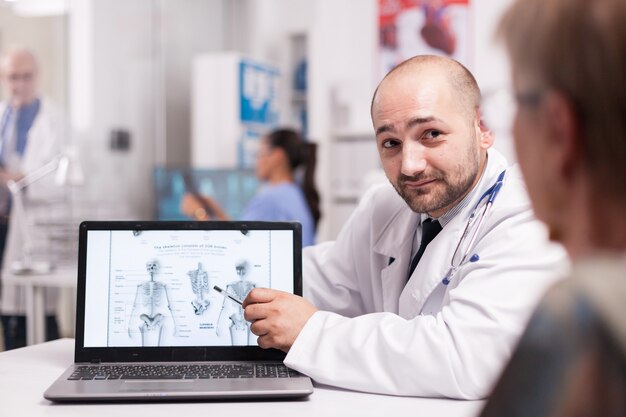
x: 43, y: 144
x: 371, y: 333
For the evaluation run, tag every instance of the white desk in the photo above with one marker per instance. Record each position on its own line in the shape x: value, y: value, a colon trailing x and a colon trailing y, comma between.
x: 34, y: 285
x: 26, y: 373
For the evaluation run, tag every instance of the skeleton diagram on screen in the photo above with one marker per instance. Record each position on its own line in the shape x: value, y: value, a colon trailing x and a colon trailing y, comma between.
x: 239, y: 327
x: 151, y: 309
x: 200, y: 286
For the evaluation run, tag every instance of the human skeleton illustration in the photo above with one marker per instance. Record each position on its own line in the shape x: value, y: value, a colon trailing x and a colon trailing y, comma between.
x: 199, y: 285
x: 239, y: 327
x: 151, y: 308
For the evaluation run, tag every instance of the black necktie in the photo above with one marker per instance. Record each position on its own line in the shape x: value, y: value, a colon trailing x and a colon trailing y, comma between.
x: 430, y: 229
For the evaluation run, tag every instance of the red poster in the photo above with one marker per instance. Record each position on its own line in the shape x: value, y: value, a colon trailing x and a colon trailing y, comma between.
x: 413, y: 27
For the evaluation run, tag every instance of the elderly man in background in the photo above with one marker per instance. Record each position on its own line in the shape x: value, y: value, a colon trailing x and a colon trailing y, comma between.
x: 30, y: 136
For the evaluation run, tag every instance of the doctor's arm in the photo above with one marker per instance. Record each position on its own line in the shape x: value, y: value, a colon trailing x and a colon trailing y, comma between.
x: 457, y: 353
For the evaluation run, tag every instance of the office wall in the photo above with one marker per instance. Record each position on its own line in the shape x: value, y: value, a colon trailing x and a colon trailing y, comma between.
x: 132, y: 64
x: 278, y: 31
x: 190, y: 27
x: 130, y: 69
x: 491, y: 65
x: 112, y: 79
x: 342, y: 46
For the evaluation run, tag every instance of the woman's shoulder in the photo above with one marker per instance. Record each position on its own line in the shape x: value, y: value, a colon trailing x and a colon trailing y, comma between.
x: 280, y: 194
x: 280, y: 189
x: 275, y: 202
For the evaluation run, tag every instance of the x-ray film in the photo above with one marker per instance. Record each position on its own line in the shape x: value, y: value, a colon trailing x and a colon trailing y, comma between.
x: 156, y: 287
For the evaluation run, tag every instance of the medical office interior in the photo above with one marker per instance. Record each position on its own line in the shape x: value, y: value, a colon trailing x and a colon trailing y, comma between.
x: 159, y: 97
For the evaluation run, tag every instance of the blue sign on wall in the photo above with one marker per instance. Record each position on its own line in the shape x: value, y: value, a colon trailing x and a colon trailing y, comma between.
x: 258, y: 85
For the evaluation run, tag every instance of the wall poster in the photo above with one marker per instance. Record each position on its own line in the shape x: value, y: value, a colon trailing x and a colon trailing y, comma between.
x: 414, y: 27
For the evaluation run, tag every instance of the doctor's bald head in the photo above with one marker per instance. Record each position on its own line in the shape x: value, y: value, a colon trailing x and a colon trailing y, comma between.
x: 19, y: 73
x: 460, y: 79
x: 430, y: 139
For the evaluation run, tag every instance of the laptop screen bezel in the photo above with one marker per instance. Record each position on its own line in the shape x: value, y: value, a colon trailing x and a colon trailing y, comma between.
x: 177, y: 353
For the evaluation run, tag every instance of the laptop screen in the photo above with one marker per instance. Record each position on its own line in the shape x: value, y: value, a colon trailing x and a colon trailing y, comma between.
x: 178, y: 284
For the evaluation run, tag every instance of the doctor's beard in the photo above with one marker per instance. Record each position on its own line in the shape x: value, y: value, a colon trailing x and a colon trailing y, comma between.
x: 447, y: 190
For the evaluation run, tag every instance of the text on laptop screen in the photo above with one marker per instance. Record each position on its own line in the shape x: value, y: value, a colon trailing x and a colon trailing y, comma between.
x: 157, y: 287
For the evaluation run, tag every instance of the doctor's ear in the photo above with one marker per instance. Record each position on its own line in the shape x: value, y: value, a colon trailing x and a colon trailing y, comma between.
x: 485, y: 134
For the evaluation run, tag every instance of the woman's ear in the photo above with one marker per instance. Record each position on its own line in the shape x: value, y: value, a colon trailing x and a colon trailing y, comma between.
x: 564, y: 134
x: 279, y: 157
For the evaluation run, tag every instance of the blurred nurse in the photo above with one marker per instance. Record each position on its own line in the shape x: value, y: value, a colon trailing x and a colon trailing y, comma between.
x: 281, y: 154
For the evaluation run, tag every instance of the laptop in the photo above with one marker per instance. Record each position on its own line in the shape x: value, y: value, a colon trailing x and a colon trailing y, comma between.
x: 159, y: 314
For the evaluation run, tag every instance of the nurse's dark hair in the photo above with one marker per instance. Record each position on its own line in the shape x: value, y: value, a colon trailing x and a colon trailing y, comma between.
x: 300, y: 153
x: 461, y: 79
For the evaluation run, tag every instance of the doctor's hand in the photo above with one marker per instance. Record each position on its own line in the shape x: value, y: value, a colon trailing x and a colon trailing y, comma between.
x: 6, y: 176
x: 277, y: 317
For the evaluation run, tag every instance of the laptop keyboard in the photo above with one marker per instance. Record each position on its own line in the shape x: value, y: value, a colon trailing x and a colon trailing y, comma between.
x: 199, y: 371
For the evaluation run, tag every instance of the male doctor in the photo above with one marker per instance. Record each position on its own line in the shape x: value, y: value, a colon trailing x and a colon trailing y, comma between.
x: 377, y: 318
x: 30, y: 136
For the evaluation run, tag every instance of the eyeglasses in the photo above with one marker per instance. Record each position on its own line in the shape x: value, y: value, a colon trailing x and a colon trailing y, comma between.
x: 529, y: 99
x: 24, y: 77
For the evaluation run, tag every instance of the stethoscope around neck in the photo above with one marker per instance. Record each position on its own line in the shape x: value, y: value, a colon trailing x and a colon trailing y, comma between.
x: 469, y: 256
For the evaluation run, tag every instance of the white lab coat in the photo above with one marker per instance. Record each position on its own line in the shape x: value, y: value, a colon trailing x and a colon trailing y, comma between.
x: 370, y: 333
x: 44, y: 142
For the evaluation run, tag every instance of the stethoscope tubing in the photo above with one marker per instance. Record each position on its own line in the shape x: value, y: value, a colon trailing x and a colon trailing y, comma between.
x: 492, y: 192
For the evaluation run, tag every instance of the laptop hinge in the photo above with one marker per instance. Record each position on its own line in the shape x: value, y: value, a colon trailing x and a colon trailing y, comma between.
x: 95, y: 361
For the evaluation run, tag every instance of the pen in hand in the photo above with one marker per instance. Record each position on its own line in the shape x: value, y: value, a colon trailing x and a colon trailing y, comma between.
x: 225, y: 294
